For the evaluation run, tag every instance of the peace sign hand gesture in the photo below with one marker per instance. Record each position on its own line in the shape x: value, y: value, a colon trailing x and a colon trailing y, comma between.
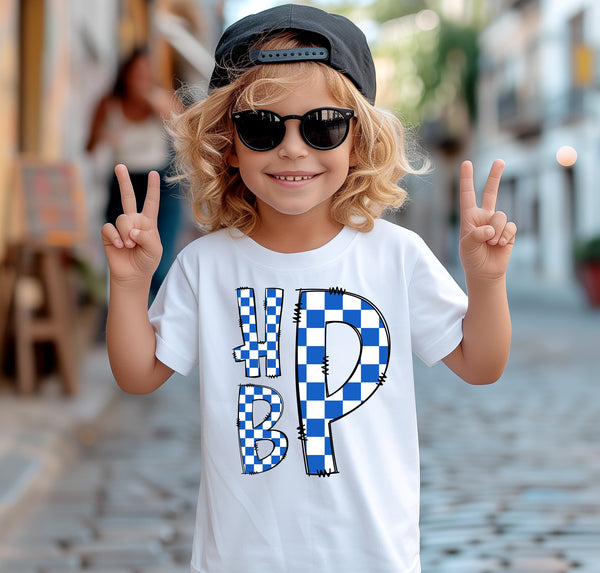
x: 486, y: 236
x: 133, y: 248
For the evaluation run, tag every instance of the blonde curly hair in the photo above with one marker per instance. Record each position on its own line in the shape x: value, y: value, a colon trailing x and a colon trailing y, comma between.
x: 203, y: 137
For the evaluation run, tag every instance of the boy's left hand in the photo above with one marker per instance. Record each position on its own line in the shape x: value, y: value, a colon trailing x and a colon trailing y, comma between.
x: 486, y: 235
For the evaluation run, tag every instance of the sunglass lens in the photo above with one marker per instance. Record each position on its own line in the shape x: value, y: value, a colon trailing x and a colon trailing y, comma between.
x: 325, y: 128
x: 260, y: 130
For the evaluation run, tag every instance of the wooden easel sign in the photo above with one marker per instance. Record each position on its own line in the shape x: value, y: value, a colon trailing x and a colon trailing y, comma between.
x: 50, y: 199
x: 49, y: 218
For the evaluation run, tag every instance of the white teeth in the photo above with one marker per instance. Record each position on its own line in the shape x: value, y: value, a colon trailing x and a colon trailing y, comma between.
x: 293, y: 178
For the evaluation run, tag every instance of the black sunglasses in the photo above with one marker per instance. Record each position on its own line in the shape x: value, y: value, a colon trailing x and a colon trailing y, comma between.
x: 322, y: 128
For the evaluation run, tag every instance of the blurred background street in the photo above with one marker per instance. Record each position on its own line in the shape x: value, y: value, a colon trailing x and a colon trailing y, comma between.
x: 95, y: 480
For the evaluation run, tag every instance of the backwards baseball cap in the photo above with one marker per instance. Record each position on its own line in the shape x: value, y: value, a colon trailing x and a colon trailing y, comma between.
x: 344, y: 47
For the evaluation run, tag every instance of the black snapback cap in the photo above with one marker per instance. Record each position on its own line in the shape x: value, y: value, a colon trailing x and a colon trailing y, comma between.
x: 344, y: 48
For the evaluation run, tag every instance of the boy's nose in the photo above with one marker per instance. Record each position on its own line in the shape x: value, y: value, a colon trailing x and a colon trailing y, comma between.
x: 292, y: 146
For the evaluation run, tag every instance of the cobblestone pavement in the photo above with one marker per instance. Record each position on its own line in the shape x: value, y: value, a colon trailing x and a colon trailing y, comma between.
x: 511, y: 472
x: 126, y: 504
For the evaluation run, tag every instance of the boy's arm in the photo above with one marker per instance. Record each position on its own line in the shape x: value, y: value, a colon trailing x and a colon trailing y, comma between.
x: 486, y: 241
x: 133, y: 250
x: 131, y: 343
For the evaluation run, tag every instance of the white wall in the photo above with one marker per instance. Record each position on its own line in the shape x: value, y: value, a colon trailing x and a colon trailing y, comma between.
x: 534, y: 165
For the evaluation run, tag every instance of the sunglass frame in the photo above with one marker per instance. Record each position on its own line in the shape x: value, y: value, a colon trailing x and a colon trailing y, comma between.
x: 238, y: 116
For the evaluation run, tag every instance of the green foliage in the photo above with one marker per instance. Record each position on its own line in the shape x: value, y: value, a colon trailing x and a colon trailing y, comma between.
x: 385, y: 10
x: 588, y: 251
x: 378, y: 10
x: 460, y: 42
x: 433, y: 68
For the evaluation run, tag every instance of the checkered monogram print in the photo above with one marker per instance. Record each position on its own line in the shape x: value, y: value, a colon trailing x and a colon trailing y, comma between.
x: 252, y: 350
x: 319, y: 409
x: 251, y: 433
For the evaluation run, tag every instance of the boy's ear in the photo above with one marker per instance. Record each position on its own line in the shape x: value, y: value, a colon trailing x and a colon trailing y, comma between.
x: 232, y: 158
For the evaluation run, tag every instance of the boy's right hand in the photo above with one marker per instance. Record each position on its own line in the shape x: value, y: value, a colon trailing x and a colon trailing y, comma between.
x: 133, y: 248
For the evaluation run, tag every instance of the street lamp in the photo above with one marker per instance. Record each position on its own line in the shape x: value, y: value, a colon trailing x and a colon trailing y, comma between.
x: 566, y: 156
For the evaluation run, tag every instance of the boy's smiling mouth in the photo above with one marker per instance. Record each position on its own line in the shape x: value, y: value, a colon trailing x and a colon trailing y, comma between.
x: 293, y: 176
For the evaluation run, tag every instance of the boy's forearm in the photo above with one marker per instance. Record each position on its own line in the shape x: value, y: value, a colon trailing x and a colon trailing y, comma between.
x: 131, y: 342
x: 482, y: 355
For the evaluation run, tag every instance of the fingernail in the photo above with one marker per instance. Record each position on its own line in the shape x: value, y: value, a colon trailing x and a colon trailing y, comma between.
x: 119, y: 243
x: 134, y: 233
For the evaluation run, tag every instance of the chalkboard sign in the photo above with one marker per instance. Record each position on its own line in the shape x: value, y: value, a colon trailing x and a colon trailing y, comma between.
x: 51, y: 201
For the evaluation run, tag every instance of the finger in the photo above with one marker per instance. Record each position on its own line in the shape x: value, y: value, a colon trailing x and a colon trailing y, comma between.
x: 508, y: 235
x: 490, y: 191
x: 127, y: 194
x: 110, y: 236
x: 498, y: 222
x: 147, y: 239
x: 152, y: 201
x: 124, y: 224
x: 467, y: 189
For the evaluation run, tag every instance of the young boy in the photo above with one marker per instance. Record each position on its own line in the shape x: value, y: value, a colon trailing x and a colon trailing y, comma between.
x: 309, y: 435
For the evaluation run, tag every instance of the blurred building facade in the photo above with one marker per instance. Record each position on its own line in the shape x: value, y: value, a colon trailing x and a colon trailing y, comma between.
x: 539, y: 91
x: 57, y: 57
x: 423, y: 60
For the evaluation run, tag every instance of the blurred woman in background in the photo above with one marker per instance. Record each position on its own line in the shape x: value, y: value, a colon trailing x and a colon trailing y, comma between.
x: 130, y: 120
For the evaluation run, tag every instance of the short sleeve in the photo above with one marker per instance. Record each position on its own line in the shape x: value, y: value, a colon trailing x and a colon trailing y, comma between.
x: 174, y: 317
x: 437, y: 307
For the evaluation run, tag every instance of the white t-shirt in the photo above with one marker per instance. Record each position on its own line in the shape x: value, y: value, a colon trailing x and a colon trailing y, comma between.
x: 309, y: 444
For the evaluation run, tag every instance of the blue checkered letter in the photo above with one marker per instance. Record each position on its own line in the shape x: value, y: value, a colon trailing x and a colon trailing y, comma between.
x: 252, y: 350
x: 318, y: 409
x: 252, y: 432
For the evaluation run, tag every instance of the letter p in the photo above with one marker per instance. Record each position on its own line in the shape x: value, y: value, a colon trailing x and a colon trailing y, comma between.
x: 318, y: 409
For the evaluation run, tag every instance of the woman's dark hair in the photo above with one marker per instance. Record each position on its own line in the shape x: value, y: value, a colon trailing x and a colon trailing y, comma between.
x: 120, y: 86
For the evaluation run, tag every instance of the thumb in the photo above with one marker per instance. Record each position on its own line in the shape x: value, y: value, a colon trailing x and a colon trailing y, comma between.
x: 479, y: 235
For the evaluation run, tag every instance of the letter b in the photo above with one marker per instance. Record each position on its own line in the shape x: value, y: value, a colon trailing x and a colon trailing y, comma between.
x: 251, y: 433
